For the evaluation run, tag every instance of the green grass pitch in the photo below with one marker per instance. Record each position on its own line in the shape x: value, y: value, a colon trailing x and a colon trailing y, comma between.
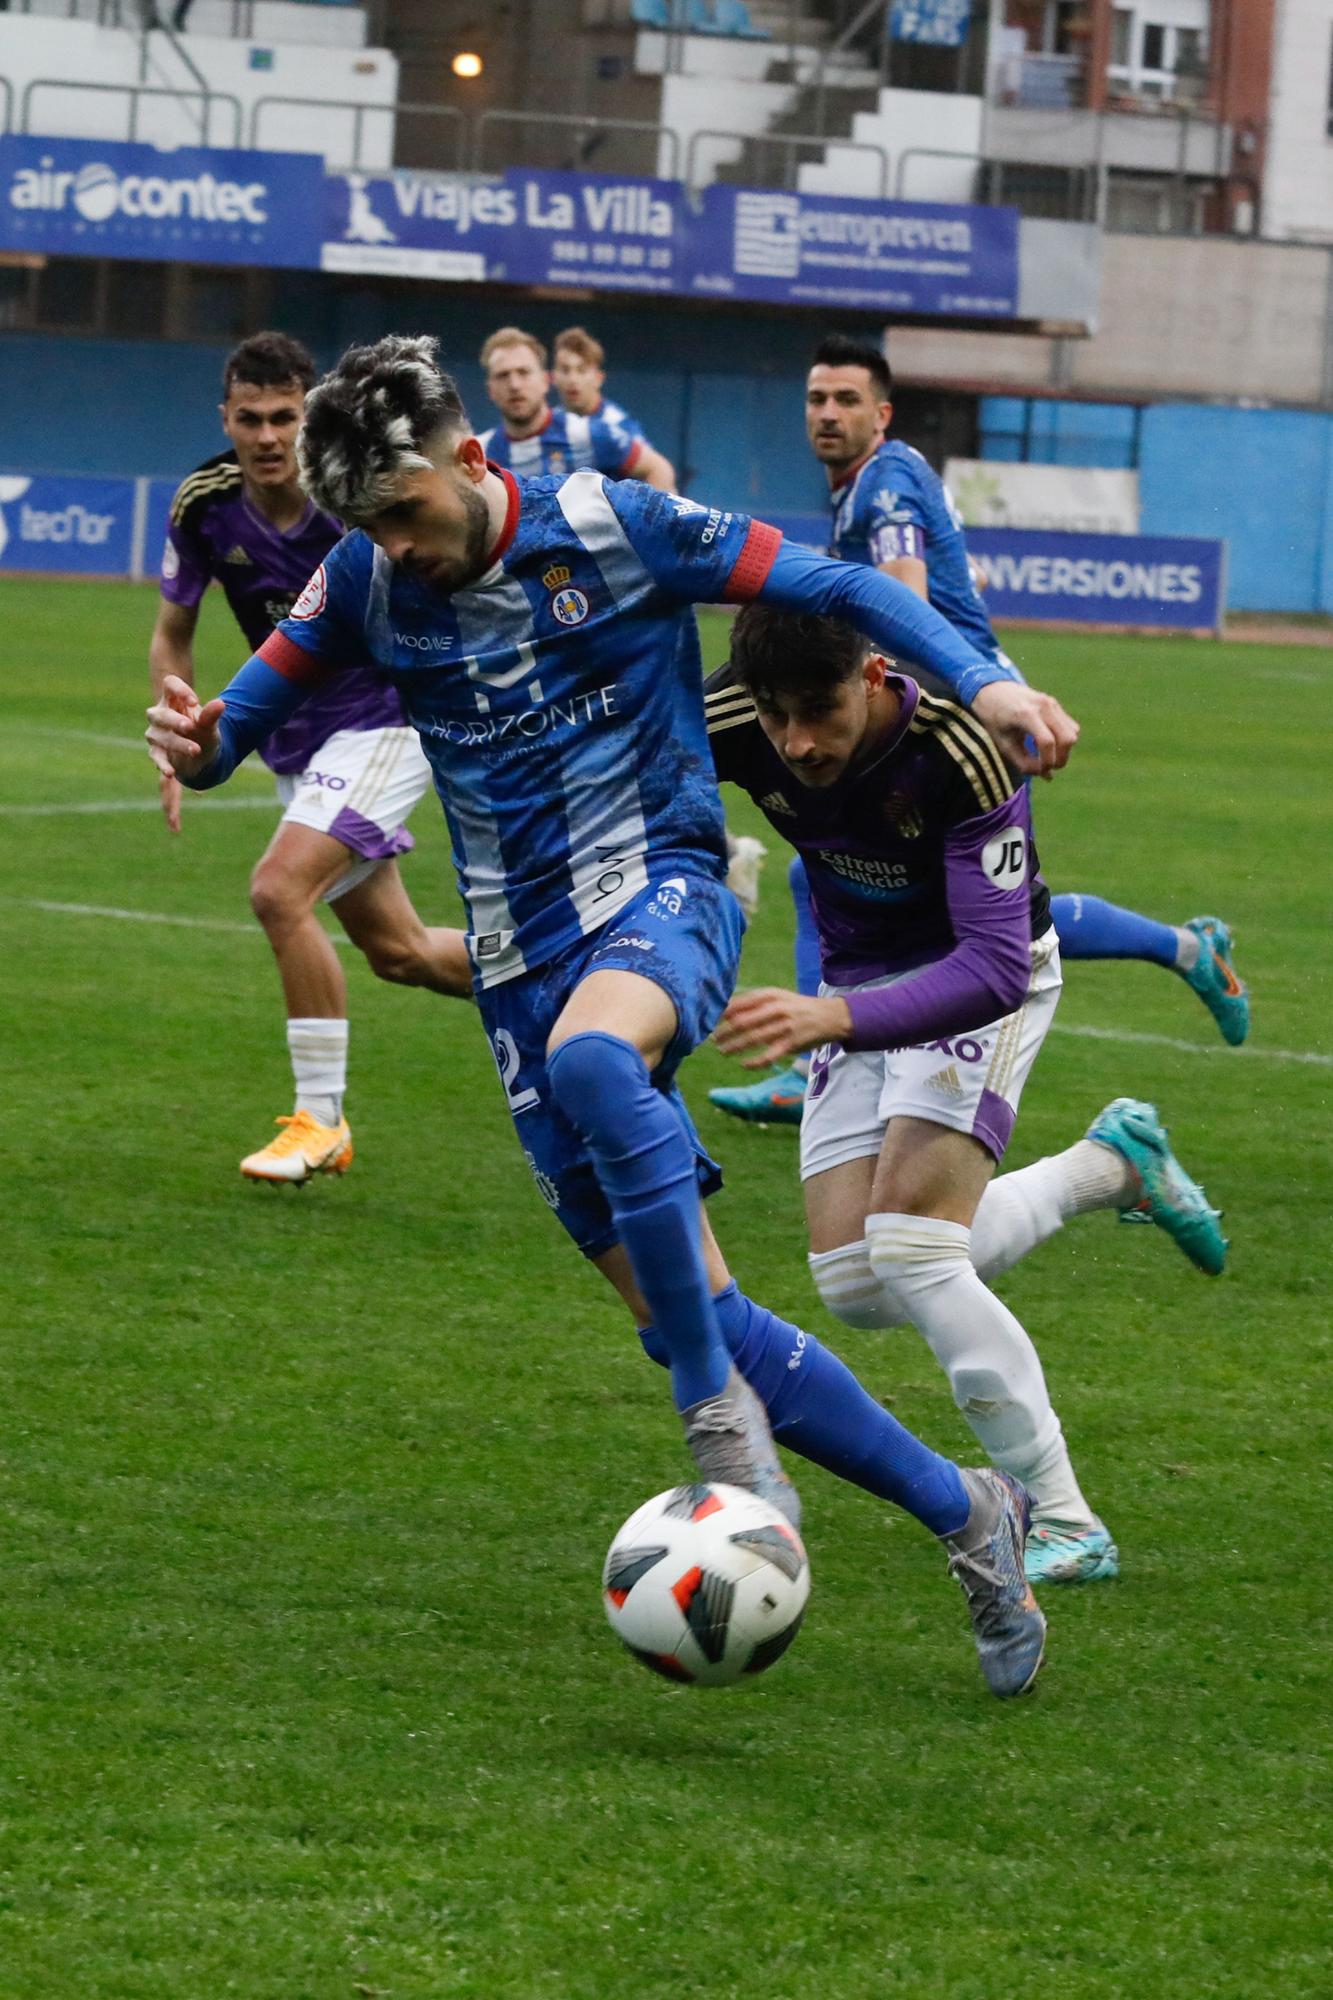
x: 305, y: 1687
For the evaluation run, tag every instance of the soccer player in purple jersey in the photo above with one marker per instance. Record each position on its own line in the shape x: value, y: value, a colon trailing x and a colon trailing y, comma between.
x: 533, y: 438
x: 941, y: 972
x: 349, y: 769
x: 542, y: 635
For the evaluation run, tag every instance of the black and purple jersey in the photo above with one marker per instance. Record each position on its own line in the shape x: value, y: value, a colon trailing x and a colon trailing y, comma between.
x: 214, y: 533
x: 922, y: 856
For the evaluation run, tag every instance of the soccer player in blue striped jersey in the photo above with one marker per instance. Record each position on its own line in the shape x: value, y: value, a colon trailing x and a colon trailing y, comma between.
x: 891, y: 511
x: 578, y: 370
x: 543, y: 639
x: 533, y: 438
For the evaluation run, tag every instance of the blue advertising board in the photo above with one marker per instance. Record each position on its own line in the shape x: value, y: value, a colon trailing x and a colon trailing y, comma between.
x: 102, y: 198
x: 653, y: 236
x: 71, y: 526
x: 1173, y: 583
x: 941, y: 24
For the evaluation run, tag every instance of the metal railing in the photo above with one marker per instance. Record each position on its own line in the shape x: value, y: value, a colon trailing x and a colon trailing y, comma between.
x: 448, y: 114
x: 584, y: 125
x: 135, y: 92
x: 788, y: 142
x: 1074, y: 193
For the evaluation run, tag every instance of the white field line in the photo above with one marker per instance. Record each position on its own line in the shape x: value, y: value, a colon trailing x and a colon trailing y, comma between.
x: 267, y: 803
x: 107, y: 910
x: 76, y: 735
x: 1311, y: 1057
x: 1218, y: 1048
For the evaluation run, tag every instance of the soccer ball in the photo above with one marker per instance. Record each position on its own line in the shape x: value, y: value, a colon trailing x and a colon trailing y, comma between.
x: 706, y: 1584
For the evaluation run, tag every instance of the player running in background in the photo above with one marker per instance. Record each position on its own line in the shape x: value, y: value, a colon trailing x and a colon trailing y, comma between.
x: 349, y: 770
x: 543, y: 637
x: 578, y: 370
x: 943, y: 973
x: 534, y: 438
x: 891, y: 511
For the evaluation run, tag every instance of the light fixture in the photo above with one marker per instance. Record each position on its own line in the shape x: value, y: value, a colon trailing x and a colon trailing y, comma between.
x: 467, y: 63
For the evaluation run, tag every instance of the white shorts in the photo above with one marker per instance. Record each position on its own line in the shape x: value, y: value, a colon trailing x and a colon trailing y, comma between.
x: 970, y: 1083
x: 359, y: 788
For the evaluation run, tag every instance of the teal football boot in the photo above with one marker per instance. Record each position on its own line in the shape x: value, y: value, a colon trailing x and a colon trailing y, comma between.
x: 1070, y: 1555
x: 775, y: 1100
x: 1212, y: 978
x: 1168, y: 1196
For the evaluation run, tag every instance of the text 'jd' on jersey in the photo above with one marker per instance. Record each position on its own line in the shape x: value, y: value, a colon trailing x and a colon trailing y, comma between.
x: 889, y: 843
x: 214, y: 534
x: 893, y: 505
x: 558, y: 697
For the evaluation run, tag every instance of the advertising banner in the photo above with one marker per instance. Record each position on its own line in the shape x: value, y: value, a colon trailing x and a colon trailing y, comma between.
x: 881, y: 256
x: 206, y: 205
x: 1075, y: 499
x: 76, y: 526
x: 940, y: 24
x: 653, y: 236
x: 1171, y: 583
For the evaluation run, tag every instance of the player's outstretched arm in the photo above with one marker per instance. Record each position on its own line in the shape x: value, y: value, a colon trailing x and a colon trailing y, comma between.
x: 894, y: 617
x: 654, y: 469
x: 203, y: 745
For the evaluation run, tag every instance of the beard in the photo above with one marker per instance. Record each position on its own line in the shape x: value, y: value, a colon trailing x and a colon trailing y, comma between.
x: 453, y: 572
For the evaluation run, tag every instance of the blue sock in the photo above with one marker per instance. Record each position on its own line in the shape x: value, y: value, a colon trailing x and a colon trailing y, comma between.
x: 645, y: 1165
x: 1089, y: 928
x: 807, y: 936
x: 818, y: 1408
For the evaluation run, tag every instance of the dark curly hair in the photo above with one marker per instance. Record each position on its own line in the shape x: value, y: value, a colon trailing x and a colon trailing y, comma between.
x: 268, y: 361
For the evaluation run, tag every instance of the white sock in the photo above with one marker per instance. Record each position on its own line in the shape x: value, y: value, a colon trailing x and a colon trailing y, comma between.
x: 926, y: 1271
x: 1020, y: 1210
x: 846, y: 1282
x: 318, y: 1051
x: 1188, y: 946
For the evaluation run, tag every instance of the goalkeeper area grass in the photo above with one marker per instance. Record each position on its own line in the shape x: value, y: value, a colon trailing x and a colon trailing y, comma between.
x: 305, y: 1686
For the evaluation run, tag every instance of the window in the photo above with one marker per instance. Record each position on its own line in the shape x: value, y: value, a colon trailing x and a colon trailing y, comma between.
x: 1122, y: 38
x: 1154, y: 46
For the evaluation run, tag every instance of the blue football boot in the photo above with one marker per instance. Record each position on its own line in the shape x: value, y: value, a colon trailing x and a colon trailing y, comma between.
x: 1212, y: 978
x: 1070, y: 1555
x: 1167, y: 1195
x: 775, y: 1100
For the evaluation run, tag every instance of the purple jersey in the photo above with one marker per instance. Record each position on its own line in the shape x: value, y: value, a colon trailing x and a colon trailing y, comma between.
x: 920, y: 855
x: 215, y: 532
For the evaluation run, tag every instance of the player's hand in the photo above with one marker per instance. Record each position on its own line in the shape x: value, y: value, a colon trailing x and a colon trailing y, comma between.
x: 780, y: 1024
x: 1013, y: 713
x: 169, y: 790
x: 182, y: 737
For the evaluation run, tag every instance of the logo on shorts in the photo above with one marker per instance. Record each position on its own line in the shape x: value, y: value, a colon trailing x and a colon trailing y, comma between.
x: 313, y: 598
x: 570, y: 606
x: 171, y: 562
x: 946, y: 1081
x: 669, y: 897
x: 546, y: 1187
x: 489, y: 943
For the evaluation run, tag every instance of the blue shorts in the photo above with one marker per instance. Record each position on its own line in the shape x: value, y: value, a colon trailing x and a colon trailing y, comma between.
x: 685, y: 935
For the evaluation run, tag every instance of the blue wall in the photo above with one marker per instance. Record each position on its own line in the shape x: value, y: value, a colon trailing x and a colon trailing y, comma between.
x: 719, y: 393
x: 1260, y: 480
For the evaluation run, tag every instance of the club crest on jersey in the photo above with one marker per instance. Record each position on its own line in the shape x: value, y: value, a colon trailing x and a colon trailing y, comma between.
x: 313, y: 598
x: 557, y: 574
x: 902, y: 816
x: 570, y: 606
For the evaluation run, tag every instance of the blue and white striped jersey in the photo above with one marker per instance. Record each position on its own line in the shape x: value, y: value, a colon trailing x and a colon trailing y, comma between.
x: 567, y: 443
x: 894, y: 505
x: 559, y: 699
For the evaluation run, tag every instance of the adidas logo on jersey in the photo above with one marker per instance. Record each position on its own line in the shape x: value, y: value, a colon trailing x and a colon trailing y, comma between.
x: 946, y: 1082
x: 236, y: 554
x: 776, y: 802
